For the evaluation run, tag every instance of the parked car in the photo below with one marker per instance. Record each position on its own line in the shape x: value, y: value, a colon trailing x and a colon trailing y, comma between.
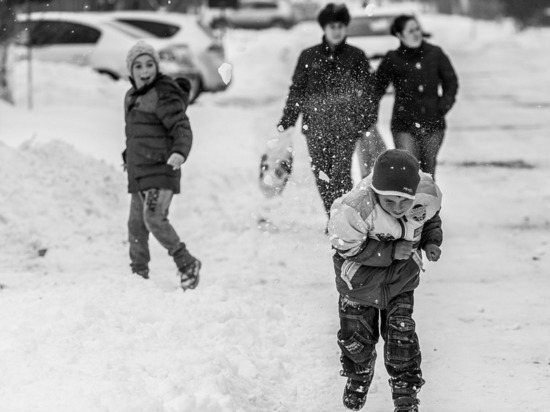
x: 89, y: 39
x: 370, y: 31
x: 251, y: 14
x: 196, y: 42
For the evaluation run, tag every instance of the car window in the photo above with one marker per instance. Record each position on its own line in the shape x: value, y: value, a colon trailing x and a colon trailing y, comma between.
x: 259, y: 6
x: 370, y: 26
x: 129, y: 31
x: 158, y: 29
x: 45, y: 33
x: 23, y: 30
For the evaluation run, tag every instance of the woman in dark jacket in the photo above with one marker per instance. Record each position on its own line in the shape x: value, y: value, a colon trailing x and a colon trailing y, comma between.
x: 158, y: 142
x: 331, y: 89
x: 425, y: 86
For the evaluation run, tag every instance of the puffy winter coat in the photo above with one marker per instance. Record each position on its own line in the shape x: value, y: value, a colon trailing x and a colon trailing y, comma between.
x: 156, y: 127
x: 364, y: 237
x: 331, y: 89
x: 417, y: 74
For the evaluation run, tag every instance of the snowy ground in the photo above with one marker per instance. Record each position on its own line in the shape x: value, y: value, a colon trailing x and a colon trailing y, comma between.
x: 78, y: 332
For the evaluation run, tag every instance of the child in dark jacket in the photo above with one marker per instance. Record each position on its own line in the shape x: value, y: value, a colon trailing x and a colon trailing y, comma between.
x: 378, y: 231
x: 158, y: 142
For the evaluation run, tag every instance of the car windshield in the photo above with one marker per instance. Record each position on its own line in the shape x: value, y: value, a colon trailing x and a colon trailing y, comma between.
x: 158, y: 29
x: 370, y: 26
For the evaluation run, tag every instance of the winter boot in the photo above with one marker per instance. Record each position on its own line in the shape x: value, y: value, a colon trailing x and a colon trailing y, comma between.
x: 355, y: 394
x: 406, y: 404
x: 144, y: 273
x: 189, y: 276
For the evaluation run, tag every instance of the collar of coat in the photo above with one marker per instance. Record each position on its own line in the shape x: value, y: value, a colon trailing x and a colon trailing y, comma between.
x: 338, y: 49
x: 146, y: 88
x: 411, y: 51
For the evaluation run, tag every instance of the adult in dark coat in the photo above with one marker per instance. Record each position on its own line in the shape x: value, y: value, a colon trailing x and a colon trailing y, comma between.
x: 158, y: 142
x: 331, y: 89
x: 425, y: 84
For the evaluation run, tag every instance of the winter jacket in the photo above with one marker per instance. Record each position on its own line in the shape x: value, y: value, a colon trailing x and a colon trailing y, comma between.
x: 364, y: 237
x: 156, y: 127
x: 331, y: 88
x: 417, y: 75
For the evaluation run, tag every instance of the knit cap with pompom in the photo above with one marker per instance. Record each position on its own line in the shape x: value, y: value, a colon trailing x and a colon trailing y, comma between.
x: 139, y: 49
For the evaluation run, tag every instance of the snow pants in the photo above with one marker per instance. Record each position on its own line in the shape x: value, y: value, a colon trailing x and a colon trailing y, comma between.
x: 359, y: 333
x: 331, y: 164
x: 149, y: 214
x: 424, y: 145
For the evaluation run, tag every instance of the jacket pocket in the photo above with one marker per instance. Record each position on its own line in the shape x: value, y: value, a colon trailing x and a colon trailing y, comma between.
x: 150, y: 151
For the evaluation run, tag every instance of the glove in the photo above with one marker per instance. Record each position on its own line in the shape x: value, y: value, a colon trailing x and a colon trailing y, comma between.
x: 402, y: 249
x: 433, y: 252
x: 175, y: 160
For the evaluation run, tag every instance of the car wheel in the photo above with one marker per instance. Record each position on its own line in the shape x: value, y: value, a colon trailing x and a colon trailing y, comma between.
x: 108, y: 73
x: 219, y: 24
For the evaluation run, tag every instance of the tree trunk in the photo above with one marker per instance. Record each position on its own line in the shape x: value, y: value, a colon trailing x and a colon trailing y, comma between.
x: 7, y: 27
x: 5, y: 90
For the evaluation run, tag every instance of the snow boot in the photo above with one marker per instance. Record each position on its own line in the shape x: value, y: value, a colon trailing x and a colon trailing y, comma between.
x: 406, y: 404
x: 355, y: 394
x: 189, y: 276
x: 144, y: 273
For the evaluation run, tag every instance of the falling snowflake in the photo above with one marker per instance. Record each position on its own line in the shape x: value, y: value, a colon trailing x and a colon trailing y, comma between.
x: 323, y: 176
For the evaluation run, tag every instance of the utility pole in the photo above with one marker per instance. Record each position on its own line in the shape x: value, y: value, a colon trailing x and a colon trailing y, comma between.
x: 29, y: 62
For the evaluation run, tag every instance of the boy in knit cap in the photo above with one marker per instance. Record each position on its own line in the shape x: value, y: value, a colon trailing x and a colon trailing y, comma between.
x: 379, y: 230
x: 158, y: 142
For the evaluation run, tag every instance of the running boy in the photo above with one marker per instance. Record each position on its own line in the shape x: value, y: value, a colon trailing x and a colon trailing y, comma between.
x: 378, y: 230
x: 158, y: 142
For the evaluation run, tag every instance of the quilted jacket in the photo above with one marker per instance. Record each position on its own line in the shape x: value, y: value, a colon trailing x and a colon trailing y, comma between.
x: 363, y: 236
x: 156, y: 127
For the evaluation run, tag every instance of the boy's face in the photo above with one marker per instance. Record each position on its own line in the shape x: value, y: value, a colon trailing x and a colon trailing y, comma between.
x: 335, y: 33
x: 396, y: 206
x: 144, y: 70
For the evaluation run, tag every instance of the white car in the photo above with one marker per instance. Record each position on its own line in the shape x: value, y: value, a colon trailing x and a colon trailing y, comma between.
x: 93, y: 40
x: 255, y: 14
x: 196, y: 42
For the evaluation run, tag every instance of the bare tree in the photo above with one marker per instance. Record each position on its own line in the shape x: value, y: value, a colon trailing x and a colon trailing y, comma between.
x: 7, y: 26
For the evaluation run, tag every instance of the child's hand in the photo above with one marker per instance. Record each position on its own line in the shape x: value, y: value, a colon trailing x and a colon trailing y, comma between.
x: 175, y: 160
x: 432, y: 252
x: 403, y: 249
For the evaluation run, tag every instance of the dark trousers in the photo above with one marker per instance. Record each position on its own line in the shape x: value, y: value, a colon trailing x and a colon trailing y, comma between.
x: 331, y: 164
x: 149, y: 214
x: 423, y: 145
x: 360, y: 329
